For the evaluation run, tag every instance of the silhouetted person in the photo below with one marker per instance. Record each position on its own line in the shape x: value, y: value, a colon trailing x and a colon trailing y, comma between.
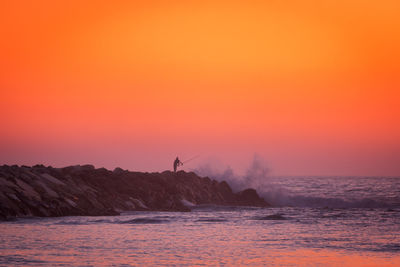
x: 177, y: 163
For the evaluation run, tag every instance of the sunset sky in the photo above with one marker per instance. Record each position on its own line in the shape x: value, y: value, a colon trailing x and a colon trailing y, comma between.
x: 313, y: 87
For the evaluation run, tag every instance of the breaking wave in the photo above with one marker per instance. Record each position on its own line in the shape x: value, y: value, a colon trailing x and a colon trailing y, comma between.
x: 314, y: 192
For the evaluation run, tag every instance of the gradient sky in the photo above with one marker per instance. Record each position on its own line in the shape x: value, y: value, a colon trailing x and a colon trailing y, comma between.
x: 311, y: 86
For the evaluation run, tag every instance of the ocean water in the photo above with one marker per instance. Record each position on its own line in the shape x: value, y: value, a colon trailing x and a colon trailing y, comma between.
x: 332, y: 221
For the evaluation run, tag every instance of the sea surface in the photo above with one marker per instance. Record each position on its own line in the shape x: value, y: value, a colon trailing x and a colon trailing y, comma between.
x: 330, y: 221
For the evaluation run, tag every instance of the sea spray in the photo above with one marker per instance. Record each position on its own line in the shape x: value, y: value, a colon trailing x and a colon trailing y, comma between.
x: 303, y: 191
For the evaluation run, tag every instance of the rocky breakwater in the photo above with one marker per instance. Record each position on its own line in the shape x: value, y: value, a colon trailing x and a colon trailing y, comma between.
x: 84, y: 190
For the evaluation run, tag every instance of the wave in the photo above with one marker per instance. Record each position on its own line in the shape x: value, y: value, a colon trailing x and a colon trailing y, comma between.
x: 327, y: 192
x: 74, y: 222
x: 212, y: 220
x: 212, y: 207
x: 84, y: 221
x: 101, y: 221
x: 143, y: 221
x: 326, y: 202
x: 392, y: 247
x: 273, y: 217
x: 20, y: 260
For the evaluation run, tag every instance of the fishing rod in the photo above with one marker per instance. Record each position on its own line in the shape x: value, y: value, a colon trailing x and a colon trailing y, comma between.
x: 191, y: 159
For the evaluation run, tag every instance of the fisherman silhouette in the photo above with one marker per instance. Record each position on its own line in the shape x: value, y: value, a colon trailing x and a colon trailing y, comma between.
x: 177, y: 163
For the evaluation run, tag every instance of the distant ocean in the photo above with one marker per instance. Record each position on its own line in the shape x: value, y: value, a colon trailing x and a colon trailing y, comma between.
x: 331, y: 221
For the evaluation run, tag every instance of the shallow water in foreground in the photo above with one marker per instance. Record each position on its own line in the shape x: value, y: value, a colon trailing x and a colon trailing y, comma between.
x: 211, y: 236
x: 367, y: 232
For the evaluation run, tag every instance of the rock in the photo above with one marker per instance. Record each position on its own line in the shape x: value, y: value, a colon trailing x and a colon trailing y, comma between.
x: 85, y: 190
x: 52, y: 179
x: 118, y: 170
x: 87, y: 167
x: 249, y: 197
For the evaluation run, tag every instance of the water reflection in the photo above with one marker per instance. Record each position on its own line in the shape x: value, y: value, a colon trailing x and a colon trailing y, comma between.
x: 284, y: 236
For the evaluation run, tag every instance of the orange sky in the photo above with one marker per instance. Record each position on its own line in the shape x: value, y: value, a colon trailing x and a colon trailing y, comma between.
x: 311, y: 86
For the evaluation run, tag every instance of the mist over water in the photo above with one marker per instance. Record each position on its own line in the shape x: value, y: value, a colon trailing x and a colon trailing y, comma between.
x: 309, y: 191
